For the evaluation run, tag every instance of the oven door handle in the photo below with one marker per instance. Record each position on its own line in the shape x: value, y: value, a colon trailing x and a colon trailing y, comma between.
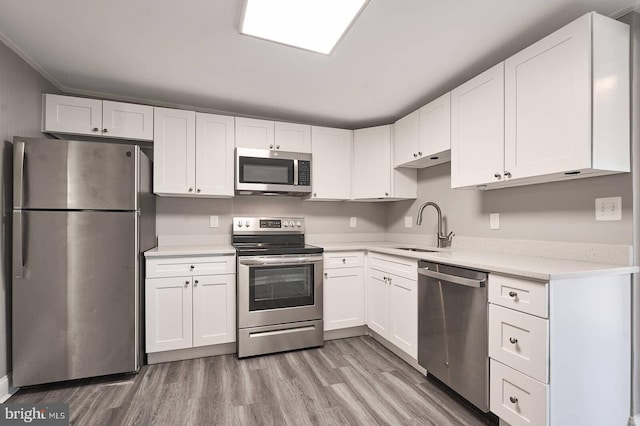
x: 281, y: 261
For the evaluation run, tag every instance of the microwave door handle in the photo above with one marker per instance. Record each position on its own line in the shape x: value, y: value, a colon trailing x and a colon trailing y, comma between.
x: 295, y: 172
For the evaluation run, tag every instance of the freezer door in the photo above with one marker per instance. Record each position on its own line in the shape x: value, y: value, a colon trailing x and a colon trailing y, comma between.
x: 57, y: 174
x: 75, y: 295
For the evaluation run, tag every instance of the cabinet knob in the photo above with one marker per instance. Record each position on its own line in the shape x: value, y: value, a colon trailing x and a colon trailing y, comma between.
x: 186, y: 283
x: 270, y: 146
x: 513, y: 294
x: 420, y: 153
x: 507, y: 174
x: 95, y: 130
x: 497, y: 176
x: 190, y: 189
x: 198, y: 190
x: 192, y: 267
x: 513, y: 399
x: 315, y: 194
x: 326, y: 275
x: 195, y: 283
x: 344, y: 260
x: 415, y: 155
x: 513, y: 340
x: 386, y: 194
x: 104, y: 130
x: 277, y: 146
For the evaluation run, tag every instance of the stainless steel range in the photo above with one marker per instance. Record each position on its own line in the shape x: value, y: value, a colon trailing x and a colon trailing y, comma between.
x: 279, y: 286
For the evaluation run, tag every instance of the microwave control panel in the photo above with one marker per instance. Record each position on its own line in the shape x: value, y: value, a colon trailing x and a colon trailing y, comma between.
x: 304, y: 173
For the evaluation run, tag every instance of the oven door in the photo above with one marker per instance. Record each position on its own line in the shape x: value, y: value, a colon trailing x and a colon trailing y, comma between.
x: 279, y: 289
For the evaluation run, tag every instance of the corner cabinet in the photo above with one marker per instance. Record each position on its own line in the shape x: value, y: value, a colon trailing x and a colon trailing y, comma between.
x: 265, y: 134
x: 193, y: 154
x: 331, y: 153
x: 565, y: 105
x: 392, y: 300
x: 95, y: 117
x: 373, y: 175
x: 423, y: 138
x: 189, y: 302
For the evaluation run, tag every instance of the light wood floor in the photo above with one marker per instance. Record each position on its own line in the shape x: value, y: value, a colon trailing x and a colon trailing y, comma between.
x: 349, y: 381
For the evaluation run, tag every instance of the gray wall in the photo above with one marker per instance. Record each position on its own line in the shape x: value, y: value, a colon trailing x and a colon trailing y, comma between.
x: 21, y: 89
x: 188, y: 216
x: 558, y: 211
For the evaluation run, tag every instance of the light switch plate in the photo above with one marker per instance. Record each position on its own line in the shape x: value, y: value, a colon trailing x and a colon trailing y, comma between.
x: 494, y: 220
x: 353, y: 222
x: 408, y: 221
x: 213, y: 222
x: 609, y: 208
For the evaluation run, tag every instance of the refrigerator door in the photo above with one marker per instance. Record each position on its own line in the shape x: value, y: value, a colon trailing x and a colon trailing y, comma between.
x: 76, y: 175
x: 75, y: 295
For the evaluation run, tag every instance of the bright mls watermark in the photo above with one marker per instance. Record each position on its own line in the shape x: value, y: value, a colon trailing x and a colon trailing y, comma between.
x: 55, y: 414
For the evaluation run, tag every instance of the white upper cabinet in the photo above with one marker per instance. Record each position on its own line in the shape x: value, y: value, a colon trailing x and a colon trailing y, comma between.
x: 477, y: 129
x: 331, y: 153
x: 423, y: 138
x: 565, y: 109
x: 193, y: 154
x: 567, y: 102
x: 293, y: 137
x: 265, y: 134
x: 94, y: 117
x: 373, y: 176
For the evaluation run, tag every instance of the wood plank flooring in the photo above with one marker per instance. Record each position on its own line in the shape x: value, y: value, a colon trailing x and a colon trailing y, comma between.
x: 353, y: 381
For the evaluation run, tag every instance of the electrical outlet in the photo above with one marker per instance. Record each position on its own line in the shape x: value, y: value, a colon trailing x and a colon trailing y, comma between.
x: 609, y: 208
x: 213, y: 222
x: 494, y: 221
x: 353, y: 222
x: 408, y: 221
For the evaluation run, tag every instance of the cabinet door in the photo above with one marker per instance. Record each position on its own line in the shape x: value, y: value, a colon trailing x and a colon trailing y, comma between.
x: 168, y: 314
x: 435, y: 126
x: 331, y: 153
x: 378, y: 303
x: 343, y: 298
x: 215, y: 136
x: 174, y: 151
x: 548, y: 104
x: 477, y: 129
x: 371, y: 171
x: 127, y: 121
x: 214, y: 309
x: 403, y: 314
x: 292, y: 137
x: 252, y: 133
x: 406, y: 135
x: 68, y: 114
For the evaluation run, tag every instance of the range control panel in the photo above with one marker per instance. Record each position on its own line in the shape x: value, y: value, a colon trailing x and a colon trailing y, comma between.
x: 268, y: 225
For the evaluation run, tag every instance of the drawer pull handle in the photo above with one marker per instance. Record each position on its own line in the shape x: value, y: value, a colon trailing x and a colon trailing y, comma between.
x: 513, y: 340
x: 513, y: 294
x: 513, y: 399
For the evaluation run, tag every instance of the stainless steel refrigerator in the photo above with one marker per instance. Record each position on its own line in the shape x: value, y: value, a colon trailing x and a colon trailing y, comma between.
x: 83, y: 213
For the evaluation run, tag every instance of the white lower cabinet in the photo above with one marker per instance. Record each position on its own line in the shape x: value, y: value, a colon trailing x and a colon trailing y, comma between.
x: 343, y: 290
x: 185, y: 311
x: 560, y: 350
x: 392, y: 301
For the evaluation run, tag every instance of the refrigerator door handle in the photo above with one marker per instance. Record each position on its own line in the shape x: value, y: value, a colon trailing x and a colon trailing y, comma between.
x: 18, y: 244
x: 18, y: 174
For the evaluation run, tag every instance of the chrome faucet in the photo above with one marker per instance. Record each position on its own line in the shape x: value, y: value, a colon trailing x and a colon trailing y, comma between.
x: 441, y: 237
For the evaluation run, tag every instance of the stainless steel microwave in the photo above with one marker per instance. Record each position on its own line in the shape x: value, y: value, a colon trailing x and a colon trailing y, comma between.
x: 263, y: 171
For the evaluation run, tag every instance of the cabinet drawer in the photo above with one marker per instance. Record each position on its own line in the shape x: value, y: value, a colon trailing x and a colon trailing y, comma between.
x: 343, y: 259
x: 522, y: 295
x: 401, y: 266
x: 519, y: 341
x: 158, y: 267
x: 516, y: 398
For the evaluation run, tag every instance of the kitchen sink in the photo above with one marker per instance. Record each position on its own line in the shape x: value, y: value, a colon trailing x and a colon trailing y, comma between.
x: 419, y: 250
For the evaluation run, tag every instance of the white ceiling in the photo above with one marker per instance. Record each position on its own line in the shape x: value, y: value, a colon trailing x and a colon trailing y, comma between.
x: 398, y: 55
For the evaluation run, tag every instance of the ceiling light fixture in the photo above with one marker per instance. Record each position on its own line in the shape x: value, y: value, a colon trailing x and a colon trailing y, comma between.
x: 315, y: 25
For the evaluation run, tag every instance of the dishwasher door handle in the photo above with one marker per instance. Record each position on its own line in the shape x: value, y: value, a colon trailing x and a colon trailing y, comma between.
x: 451, y: 278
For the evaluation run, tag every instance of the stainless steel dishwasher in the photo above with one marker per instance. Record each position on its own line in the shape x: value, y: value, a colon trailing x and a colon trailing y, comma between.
x: 452, y: 329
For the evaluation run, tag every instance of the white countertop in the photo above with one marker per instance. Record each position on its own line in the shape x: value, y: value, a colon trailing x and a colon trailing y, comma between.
x: 539, y: 268
x: 191, y: 250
